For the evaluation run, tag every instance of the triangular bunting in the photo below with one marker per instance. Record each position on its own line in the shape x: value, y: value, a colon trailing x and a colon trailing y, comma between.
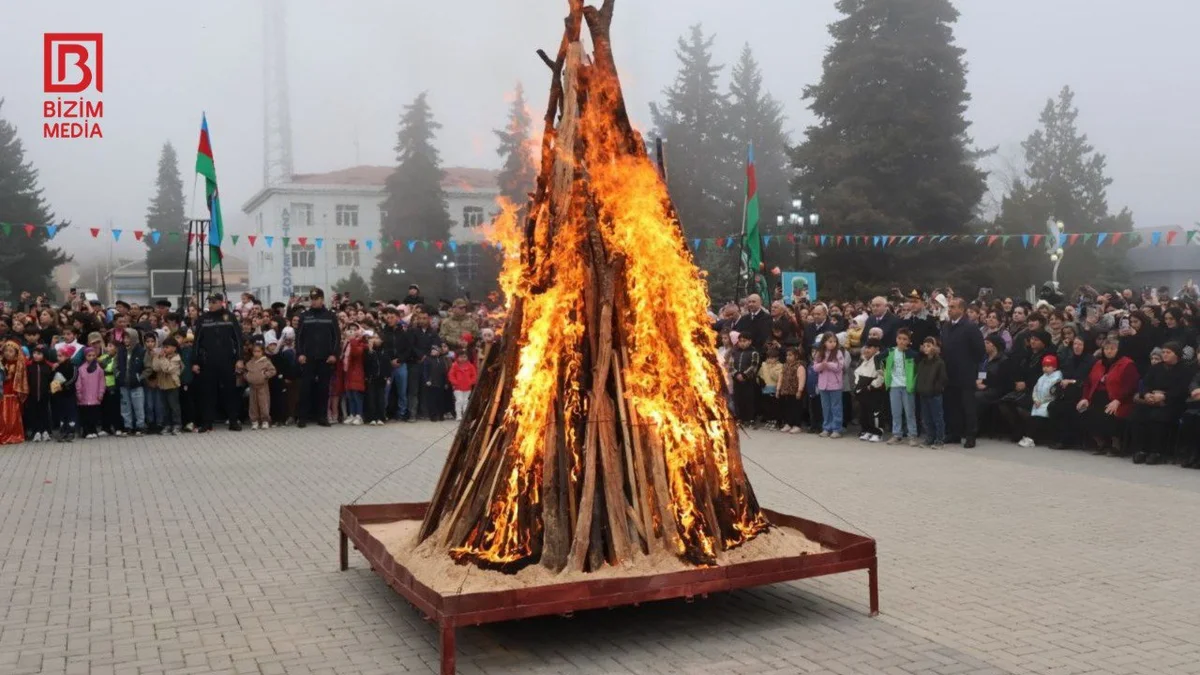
x: 173, y: 235
x: 287, y: 241
x: 1062, y: 240
x: 320, y: 242
x: 1037, y: 239
x: 29, y: 228
x: 234, y: 238
x: 767, y: 240
x: 1116, y: 238
x: 841, y: 238
x: 270, y: 241
x: 353, y: 244
x: 412, y: 243
x: 7, y: 228
x: 137, y: 234
x: 95, y: 232
x: 1171, y: 236
x: 453, y: 246
x: 424, y: 244
x: 1025, y: 240
x: 1155, y: 238
x: 370, y: 245
x: 1071, y: 239
x: 116, y: 235
x: 1100, y: 238
x: 303, y: 241
x: 396, y: 244
x: 51, y: 230
x: 155, y: 235
x: 251, y: 238
x: 1190, y: 235
x: 695, y: 244
x: 1087, y: 237
x: 992, y: 239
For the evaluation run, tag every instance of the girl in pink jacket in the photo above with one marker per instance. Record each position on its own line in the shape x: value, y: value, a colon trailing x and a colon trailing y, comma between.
x: 89, y: 392
x: 829, y: 362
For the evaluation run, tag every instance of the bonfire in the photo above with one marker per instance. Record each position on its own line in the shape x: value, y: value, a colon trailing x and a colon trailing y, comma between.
x: 599, y: 431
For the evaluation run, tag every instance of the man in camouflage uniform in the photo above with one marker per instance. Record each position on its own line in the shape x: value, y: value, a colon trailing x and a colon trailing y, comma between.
x: 457, y: 325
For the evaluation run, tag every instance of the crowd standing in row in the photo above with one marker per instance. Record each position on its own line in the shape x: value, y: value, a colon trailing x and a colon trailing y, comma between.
x: 82, y: 371
x: 1115, y: 373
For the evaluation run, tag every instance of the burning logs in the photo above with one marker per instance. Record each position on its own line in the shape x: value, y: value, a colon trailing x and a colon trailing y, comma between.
x: 599, y: 431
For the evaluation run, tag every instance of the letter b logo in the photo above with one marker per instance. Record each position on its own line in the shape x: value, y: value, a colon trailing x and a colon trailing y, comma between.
x: 73, y: 62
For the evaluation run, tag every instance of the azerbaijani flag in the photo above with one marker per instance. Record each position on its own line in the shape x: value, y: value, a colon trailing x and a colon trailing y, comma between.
x: 751, y: 241
x: 207, y: 168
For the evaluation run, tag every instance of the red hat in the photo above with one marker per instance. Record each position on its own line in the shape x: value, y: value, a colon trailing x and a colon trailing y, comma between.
x: 1050, y: 360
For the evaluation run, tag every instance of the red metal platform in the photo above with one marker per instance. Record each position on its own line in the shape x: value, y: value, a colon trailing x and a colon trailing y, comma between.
x: 847, y: 552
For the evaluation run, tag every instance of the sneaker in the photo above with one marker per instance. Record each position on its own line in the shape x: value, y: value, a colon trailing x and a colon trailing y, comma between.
x: 172, y: 431
x: 864, y: 436
x: 357, y: 420
x: 37, y: 438
x: 913, y: 442
x: 937, y: 446
x: 895, y: 440
x: 1026, y: 442
x: 824, y: 434
x: 189, y: 427
x: 796, y: 430
x: 254, y: 426
x: 874, y: 438
x: 138, y: 433
x: 836, y: 434
x: 265, y: 425
x: 101, y: 434
x: 787, y: 428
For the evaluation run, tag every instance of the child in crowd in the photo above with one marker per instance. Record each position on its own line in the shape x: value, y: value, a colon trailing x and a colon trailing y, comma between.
x: 433, y: 373
x: 1043, y: 396
x: 110, y: 405
x: 168, y: 373
x: 462, y: 379
x: 829, y: 363
x: 868, y: 390
x: 744, y: 366
x: 790, y: 392
x: 131, y: 366
x: 376, y: 368
x: 259, y: 372
x: 900, y: 376
x: 62, y: 390
x: 37, y: 403
x: 281, y: 384
x: 187, y: 398
x: 769, y: 373
x: 931, y: 380
x: 353, y: 379
x: 89, y: 393
x: 151, y: 391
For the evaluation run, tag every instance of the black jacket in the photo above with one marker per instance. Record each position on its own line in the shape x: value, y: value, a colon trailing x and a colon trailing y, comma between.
x: 889, y: 323
x: 757, y: 327
x: 921, y: 327
x: 1171, y: 380
x: 397, y: 344
x: 962, y: 350
x: 39, y: 375
x: 218, y: 339
x: 422, y: 341
x: 318, y: 337
x: 377, y: 365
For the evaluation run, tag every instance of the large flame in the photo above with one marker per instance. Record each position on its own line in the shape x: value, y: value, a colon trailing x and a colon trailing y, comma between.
x: 672, y: 378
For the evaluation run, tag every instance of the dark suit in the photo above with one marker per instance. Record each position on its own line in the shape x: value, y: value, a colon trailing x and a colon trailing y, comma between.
x: 889, y: 323
x: 757, y: 327
x: 962, y: 350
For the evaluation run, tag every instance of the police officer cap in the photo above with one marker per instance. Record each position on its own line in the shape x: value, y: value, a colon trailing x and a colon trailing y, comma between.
x: 216, y: 297
x: 316, y: 293
x: 163, y: 303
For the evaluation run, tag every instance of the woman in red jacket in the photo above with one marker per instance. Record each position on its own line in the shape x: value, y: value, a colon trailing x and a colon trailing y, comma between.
x: 1108, y: 398
x: 353, y: 379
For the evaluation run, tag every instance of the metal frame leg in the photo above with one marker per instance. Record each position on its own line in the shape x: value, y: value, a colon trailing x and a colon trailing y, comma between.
x: 873, y: 583
x: 343, y: 550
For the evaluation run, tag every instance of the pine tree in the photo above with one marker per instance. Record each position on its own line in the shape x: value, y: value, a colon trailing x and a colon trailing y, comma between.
x: 756, y: 117
x: 26, y: 263
x: 890, y: 153
x: 355, y: 286
x: 518, y: 174
x: 416, y: 207
x: 165, y: 216
x: 1065, y: 181
x: 704, y: 167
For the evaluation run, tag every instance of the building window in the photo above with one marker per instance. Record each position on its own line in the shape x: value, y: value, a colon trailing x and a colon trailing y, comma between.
x: 347, y: 215
x: 472, y: 216
x: 346, y: 256
x: 301, y: 214
x: 304, y: 256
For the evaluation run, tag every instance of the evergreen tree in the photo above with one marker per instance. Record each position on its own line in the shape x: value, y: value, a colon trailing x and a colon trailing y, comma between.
x: 518, y: 175
x: 1065, y: 180
x: 355, y: 286
x: 704, y: 166
x: 166, y: 216
x: 415, y: 204
x: 756, y: 117
x: 890, y: 153
x: 26, y: 263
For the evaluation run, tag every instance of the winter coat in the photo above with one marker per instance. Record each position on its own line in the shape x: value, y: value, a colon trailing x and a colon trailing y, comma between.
x: 109, y: 364
x: 351, y: 365
x: 89, y: 384
x: 434, y: 373
x: 167, y: 371
x: 285, y: 364
x: 870, y: 374
x: 910, y: 369
x: 931, y: 376
x: 39, y: 375
x: 769, y: 372
x: 463, y: 375
x: 745, y: 363
x: 259, y: 371
x: 1043, y: 393
x: 130, y: 365
x: 757, y: 327
x: 377, y: 365
x: 962, y: 351
x: 67, y: 370
x: 1120, y: 382
x: 791, y: 379
x: 831, y: 374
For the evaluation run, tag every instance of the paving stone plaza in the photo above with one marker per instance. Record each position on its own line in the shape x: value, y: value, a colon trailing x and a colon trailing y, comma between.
x: 218, y: 554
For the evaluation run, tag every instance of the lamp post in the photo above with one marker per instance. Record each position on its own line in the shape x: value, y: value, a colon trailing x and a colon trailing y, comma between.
x: 1056, y: 252
x: 800, y: 219
x: 395, y: 270
x: 446, y: 265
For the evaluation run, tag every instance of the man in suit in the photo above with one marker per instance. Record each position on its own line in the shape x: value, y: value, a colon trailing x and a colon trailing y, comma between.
x: 755, y: 323
x: 883, y: 319
x: 962, y: 350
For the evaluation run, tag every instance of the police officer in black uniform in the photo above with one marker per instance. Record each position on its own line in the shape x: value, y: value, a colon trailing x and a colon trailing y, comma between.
x: 218, y: 358
x: 318, y: 342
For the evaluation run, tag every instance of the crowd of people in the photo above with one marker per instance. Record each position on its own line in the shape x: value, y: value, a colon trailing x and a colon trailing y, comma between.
x: 1114, y: 373
x: 81, y: 371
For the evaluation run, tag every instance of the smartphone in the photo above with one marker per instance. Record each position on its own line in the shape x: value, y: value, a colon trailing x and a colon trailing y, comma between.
x: 1124, y: 323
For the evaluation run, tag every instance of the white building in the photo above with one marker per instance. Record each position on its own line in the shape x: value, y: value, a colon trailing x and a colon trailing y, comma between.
x: 340, y: 206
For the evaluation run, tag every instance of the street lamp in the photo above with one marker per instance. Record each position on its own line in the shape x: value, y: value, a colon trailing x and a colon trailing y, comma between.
x: 395, y: 270
x: 1056, y: 252
x: 799, y: 218
x: 446, y: 265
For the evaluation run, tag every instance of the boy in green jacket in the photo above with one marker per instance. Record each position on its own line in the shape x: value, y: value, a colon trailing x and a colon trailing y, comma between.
x: 899, y: 375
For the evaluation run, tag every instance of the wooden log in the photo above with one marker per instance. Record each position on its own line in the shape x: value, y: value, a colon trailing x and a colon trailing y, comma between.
x: 556, y: 535
x: 662, y: 493
x: 454, y: 533
x: 636, y: 480
x: 614, y: 483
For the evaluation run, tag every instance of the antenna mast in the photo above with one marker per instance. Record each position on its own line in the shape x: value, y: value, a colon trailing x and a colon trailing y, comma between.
x: 277, y: 117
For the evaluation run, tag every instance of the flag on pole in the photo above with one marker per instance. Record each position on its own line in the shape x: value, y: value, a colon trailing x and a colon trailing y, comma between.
x: 207, y: 168
x: 751, y: 241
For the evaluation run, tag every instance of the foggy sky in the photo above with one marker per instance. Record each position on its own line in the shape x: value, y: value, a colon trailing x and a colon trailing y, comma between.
x: 353, y: 65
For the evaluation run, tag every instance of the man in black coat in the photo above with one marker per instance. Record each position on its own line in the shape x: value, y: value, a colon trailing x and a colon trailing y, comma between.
x: 755, y: 323
x: 883, y: 319
x: 318, y: 342
x: 397, y: 345
x: 218, y: 357
x: 962, y: 350
x: 919, y: 320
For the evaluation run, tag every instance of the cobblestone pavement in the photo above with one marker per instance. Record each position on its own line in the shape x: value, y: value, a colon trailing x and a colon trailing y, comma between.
x: 218, y: 553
